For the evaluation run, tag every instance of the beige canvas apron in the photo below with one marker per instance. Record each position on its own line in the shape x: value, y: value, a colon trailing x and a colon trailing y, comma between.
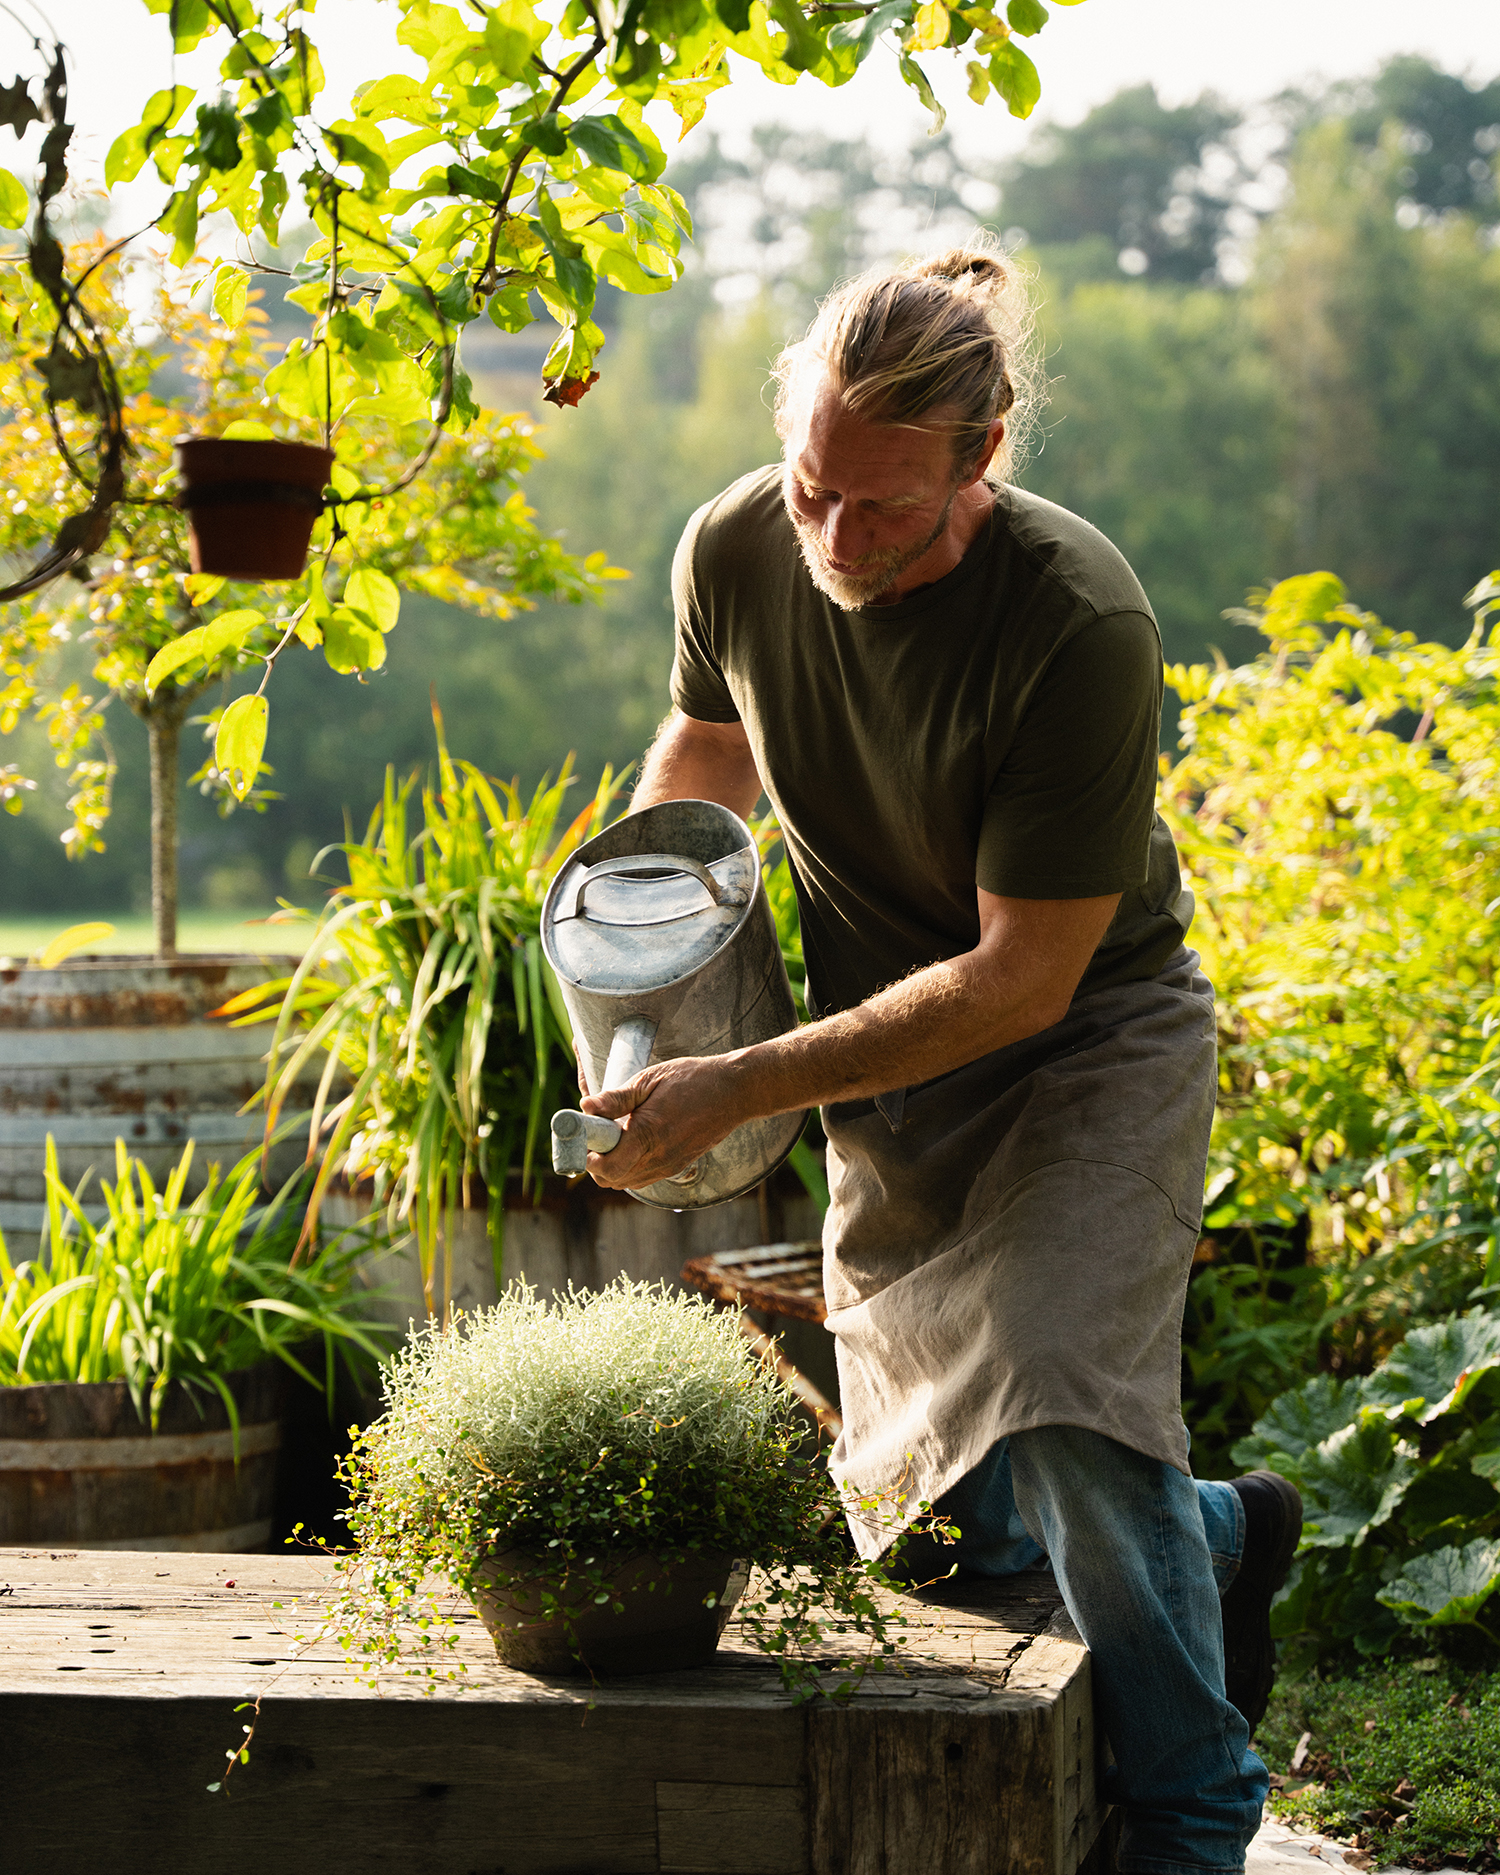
x: 1009, y: 1245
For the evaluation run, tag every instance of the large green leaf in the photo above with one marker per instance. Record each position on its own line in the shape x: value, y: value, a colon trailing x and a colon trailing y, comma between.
x: 1297, y: 1422
x: 203, y: 644
x: 1353, y: 1481
x: 1447, y: 1587
x: 240, y: 743
x: 1440, y: 1365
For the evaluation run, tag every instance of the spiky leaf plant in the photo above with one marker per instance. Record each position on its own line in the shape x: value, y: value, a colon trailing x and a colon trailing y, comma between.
x: 425, y: 983
x: 168, y: 1290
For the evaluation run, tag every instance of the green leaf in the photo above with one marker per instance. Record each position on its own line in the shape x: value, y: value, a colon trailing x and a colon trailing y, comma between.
x: 240, y: 743
x: 1487, y: 1465
x: 1015, y: 78
x: 1295, y: 1423
x: 202, y: 644
x: 15, y: 203
x: 219, y: 136
x: 1440, y: 1365
x: 352, y: 642
x: 376, y: 595
x: 244, y: 430
x: 610, y: 142
x: 1352, y: 1482
x: 917, y: 79
x: 231, y: 294
x: 1026, y: 16
x: 1448, y: 1587
x: 861, y: 34
x: 129, y: 150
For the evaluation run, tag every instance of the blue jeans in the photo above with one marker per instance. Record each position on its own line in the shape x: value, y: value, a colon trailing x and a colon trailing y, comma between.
x: 1141, y: 1555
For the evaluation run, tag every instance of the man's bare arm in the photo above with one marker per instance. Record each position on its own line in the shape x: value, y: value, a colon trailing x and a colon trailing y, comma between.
x: 693, y: 761
x: 1018, y: 980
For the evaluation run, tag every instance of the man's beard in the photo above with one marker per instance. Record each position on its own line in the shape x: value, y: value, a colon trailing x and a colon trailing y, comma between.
x: 877, y: 573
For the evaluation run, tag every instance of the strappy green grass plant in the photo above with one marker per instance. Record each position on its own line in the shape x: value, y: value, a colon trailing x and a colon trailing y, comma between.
x: 164, y: 1289
x: 425, y: 984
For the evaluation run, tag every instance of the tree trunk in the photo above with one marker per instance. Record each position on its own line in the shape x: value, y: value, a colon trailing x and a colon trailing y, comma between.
x: 164, y: 720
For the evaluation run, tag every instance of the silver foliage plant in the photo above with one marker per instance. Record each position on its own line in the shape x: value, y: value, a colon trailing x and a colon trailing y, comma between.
x: 634, y: 1367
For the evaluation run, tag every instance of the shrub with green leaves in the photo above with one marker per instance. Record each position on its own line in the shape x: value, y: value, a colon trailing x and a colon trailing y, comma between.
x: 550, y: 1440
x: 1404, y: 1760
x: 1337, y: 807
x: 1399, y: 1472
x: 165, y: 1290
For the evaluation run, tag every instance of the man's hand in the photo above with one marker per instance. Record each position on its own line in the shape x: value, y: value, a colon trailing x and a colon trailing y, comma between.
x: 673, y: 1112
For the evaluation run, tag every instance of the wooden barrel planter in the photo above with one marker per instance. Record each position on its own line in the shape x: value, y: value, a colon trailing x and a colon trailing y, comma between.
x: 575, y: 1231
x: 79, y: 1469
x: 107, y: 1047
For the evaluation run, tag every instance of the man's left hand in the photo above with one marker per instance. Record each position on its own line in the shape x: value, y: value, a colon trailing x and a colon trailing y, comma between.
x: 673, y: 1112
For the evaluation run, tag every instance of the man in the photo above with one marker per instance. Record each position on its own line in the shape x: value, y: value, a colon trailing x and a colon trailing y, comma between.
x: 951, y: 692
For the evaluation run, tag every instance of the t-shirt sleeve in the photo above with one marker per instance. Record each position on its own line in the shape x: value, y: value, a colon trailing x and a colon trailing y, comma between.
x: 699, y: 687
x: 1069, y: 814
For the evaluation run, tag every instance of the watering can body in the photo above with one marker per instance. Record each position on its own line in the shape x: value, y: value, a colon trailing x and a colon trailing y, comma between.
x: 663, y: 945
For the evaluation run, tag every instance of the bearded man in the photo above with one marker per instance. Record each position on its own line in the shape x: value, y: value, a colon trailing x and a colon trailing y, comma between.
x: 951, y: 690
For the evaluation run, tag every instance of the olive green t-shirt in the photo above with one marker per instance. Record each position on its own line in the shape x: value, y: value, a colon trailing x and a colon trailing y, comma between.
x: 996, y: 728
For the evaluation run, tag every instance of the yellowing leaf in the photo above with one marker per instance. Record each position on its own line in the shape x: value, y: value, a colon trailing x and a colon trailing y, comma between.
x: 201, y: 587
x: 374, y: 594
x: 231, y: 289
x: 930, y: 28
x: 979, y: 81
x: 76, y: 938
x: 241, y: 742
x: 351, y: 643
x: 15, y: 203
x: 202, y: 644
x: 247, y: 430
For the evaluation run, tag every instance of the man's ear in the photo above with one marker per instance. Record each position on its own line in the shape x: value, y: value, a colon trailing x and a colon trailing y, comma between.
x: 986, y: 456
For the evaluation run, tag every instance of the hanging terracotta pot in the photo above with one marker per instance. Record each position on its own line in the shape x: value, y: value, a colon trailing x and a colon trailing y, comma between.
x: 250, y: 504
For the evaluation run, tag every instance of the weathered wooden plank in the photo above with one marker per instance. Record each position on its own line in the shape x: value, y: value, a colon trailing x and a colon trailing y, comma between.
x: 118, y: 1674
x: 731, y: 1829
x: 957, y: 1791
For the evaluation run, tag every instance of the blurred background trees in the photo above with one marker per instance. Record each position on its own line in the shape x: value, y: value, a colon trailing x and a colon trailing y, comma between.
x: 1274, y: 344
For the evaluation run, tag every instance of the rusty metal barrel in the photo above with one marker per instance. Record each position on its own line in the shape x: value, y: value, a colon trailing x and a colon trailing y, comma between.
x: 107, y: 1047
x: 79, y: 1467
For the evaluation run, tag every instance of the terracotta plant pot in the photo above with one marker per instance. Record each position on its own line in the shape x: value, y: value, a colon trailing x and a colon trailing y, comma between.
x: 664, y: 1624
x: 251, y: 505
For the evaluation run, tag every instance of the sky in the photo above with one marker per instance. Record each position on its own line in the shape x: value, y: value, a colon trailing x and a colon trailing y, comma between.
x: 1085, y: 54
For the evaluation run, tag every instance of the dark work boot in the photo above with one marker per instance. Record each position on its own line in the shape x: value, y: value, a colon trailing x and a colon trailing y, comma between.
x: 1273, y: 1523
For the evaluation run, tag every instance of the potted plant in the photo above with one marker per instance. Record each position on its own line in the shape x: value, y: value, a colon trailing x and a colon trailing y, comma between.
x: 542, y: 202
x: 589, y: 1472
x: 160, y: 638
x: 140, y: 1360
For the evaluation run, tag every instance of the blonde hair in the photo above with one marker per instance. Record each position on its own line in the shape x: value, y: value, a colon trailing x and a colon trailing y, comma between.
x: 951, y: 332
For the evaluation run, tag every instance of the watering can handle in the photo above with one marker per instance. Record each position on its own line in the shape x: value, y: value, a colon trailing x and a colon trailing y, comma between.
x: 647, y: 862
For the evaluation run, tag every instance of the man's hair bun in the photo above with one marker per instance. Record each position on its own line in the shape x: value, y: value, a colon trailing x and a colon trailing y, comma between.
x: 948, y: 333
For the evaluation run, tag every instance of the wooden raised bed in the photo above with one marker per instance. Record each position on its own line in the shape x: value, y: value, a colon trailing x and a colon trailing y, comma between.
x: 119, y: 1675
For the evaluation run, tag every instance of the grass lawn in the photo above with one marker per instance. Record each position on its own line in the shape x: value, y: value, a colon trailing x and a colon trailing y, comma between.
x: 196, y: 931
x: 1404, y: 1761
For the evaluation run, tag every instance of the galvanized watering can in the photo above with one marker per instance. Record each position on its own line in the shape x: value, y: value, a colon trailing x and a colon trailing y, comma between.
x: 663, y: 945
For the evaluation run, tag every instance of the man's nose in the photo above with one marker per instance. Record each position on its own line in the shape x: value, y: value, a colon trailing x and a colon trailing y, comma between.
x: 841, y: 534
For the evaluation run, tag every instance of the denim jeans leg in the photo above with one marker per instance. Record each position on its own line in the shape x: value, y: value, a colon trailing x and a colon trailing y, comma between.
x: 1223, y: 1515
x: 1127, y: 1539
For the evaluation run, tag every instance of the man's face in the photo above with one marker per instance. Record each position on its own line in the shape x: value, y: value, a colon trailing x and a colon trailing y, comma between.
x: 871, y: 502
